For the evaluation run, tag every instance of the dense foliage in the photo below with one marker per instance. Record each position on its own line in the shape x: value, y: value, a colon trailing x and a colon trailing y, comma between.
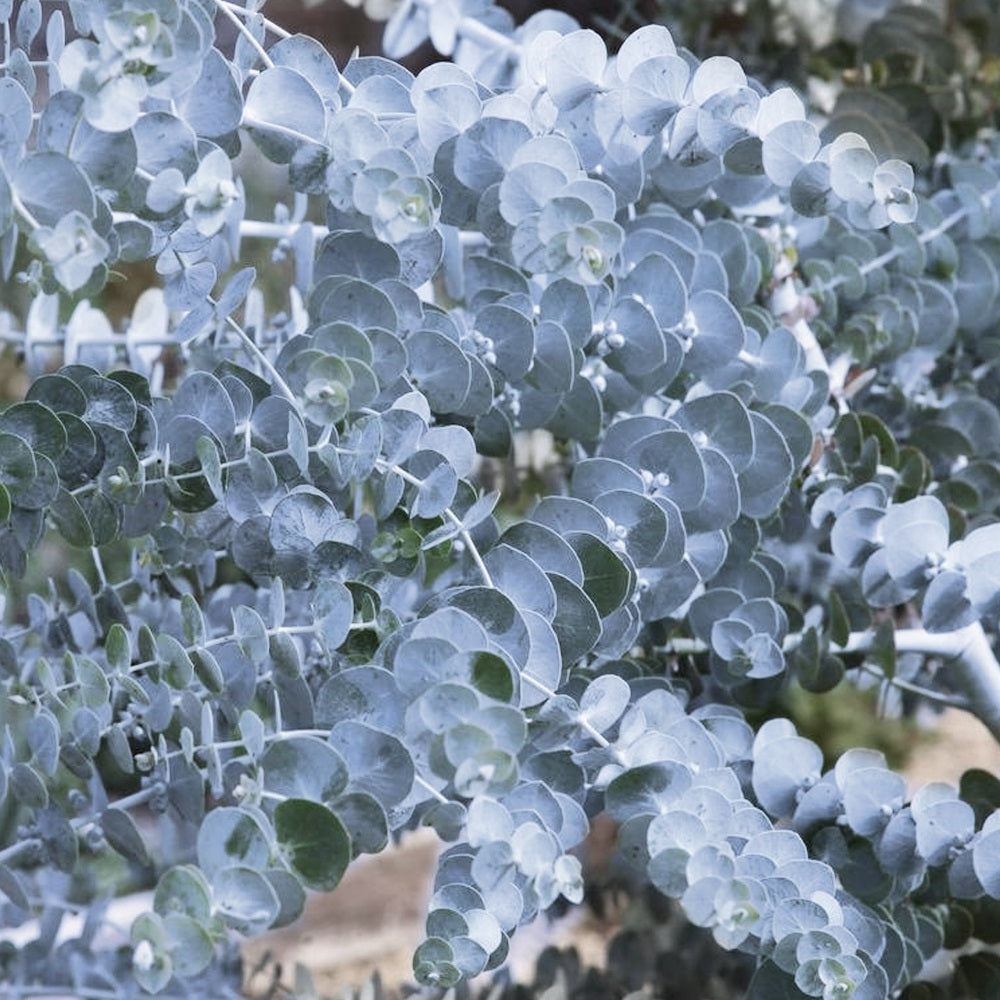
x: 270, y: 617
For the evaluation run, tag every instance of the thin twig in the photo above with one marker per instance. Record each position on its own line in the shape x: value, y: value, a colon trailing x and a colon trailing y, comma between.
x: 968, y: 656
x: 275, y: 29
x: 463, y: 532
x: 261, y: 358
x: 428, y: 787
x: 939, y: 697
x: 896, y: 251
x: 226, y: 9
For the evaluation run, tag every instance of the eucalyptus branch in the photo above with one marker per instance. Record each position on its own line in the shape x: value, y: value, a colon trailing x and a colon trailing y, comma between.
x: 532, y: 284
x: 969, y: 658
x: 25, y: 846
x: 23, y: 210
x: 595, y: 734
x: 262, y: 359
x: 973, y: 668
x: 877, y: 263
x: 321, y: 734
x: 463, y: 532
x: 260, y: 229
x: 228, y: 11
x: 906, y: 640
x: 929, y: 694
x: 228, y: 637
x: 430, y: 789
x: 896, y: 251
x: 289, y: 133
x: 477, y: 31
x: 275, y: 29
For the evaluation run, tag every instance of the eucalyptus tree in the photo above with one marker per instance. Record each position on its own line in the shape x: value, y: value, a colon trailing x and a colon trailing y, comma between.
x: 271, y: 617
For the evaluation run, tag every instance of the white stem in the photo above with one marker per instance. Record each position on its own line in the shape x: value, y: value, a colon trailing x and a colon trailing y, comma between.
x: 969, y: 659
x: 224, y: 8
x: 275, y: 29
x: 890, y: 255
x: 254, y: 229
x: 12, y: 852
x: 974, y: 671
x: 595, y: 734
x: 413, y: 480
x: 429, y: 788
x: 258, y: 229
x: 291, y: 133
x: 23, y: 211
x: 951, y: 701
x: 262, y: 359
x: 478, y: 32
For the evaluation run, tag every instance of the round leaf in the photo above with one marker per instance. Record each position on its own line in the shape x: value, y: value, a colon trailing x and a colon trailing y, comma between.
x: 314, y: 842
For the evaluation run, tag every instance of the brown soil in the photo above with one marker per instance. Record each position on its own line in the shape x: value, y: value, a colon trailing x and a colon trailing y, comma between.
x: 958, y: 741
x: 372, y: 920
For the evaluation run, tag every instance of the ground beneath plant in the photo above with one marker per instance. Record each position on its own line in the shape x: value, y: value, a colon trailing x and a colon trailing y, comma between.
x: 374, y: 919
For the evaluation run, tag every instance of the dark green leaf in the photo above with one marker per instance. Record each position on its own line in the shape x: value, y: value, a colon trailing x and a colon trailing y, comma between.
x: 883, y: 649
x: 840, y: 626
x: 577, y: 624
x: 59, y: 837
x: 982, y: 791
x: 124, y: 836
x: 365, y: 821
x: 208, y: 671
x: 314, y: 842
x: 70, y: 518
x: 36, y: 424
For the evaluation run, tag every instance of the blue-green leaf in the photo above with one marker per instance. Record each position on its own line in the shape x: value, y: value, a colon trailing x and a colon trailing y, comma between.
x: 230, y: 836
x: 244, y: 898
x: 303, y: 767
x: 377, y: 763
x: 283, y: 113
x: 213, y: 106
